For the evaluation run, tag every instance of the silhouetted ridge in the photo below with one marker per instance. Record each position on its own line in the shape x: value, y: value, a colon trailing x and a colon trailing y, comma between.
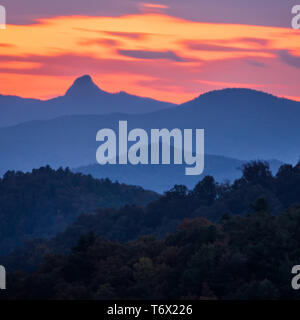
x: 44, y: 202
x: 236, y: 93
x: 84, y: 87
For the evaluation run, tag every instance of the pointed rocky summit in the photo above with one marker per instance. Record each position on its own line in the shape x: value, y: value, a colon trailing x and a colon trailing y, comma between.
x: 84, y: 87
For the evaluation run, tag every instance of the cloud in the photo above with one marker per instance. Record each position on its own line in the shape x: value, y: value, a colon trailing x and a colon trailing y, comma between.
x: 213, y: 47
x: 262, y: 42
x: 256, y: 63
x: 154, y: 5
x: 27, y: 12
x: 100, y: 42
x: 135, y: 53
x: 151, y: 55
x: 256, y: 12
x: 229, y: 45
x: 128, y: 35
x: 288, y: 58
x: 7, y: 45
x: 154, y: 78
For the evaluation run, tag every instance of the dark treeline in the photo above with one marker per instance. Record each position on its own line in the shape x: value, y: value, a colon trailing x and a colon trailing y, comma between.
x: 242, y: 257
x: 45, y: 201
x: 236, y: 241
x: 208, y: 199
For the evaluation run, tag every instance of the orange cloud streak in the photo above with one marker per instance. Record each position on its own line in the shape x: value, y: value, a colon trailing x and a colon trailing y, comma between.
x: 158, y: 63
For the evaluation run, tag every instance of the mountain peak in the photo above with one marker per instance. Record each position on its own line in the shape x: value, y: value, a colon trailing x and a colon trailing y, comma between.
x: 236, y: 93
x: 84, y: 79
x: 83, y: 87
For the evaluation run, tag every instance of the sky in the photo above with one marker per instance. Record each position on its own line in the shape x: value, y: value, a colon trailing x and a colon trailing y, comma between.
x: 171, y: 50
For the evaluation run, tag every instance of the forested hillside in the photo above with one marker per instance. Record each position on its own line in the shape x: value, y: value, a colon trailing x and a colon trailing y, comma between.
x: 256, y: 190
x: 208, y: 199
x: 44, y: 202
x: 247, y: 257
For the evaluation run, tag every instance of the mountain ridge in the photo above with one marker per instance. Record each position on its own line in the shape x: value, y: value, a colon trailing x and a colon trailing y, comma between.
x: 263, y: 127
x: 161, y: 178
x: 83, y: 87
x: 83, y: 97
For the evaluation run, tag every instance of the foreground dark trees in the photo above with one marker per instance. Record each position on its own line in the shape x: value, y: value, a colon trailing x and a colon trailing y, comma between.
x: 236, y: 241
x: 241, y: 258
x: 46, y: 201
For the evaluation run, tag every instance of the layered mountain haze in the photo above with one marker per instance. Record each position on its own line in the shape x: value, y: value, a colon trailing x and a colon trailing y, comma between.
x: 240, y: 125
x: 84, y: 97
x: 160, y: 178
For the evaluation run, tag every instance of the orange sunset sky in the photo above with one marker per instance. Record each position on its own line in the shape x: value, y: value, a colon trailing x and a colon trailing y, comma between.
x: 148, y: 52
